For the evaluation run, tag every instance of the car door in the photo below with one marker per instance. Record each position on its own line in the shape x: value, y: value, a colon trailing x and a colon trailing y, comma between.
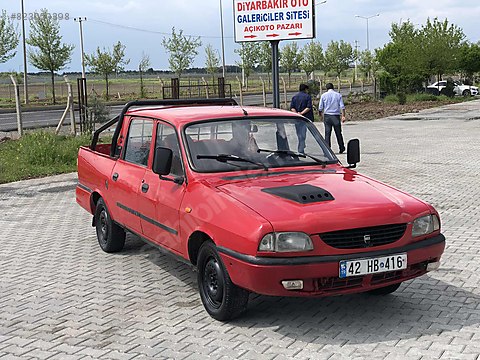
x: 161, y: 198
x: 129, y: 172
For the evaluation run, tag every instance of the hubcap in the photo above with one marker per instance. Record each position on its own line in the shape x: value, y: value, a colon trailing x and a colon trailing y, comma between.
x: 103, y: 226
x: 213, y: 282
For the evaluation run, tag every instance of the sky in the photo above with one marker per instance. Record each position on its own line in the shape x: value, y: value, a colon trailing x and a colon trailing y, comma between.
x: 109, y: 21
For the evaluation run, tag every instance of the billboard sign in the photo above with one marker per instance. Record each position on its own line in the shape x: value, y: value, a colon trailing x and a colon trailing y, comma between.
x: 266, y: 20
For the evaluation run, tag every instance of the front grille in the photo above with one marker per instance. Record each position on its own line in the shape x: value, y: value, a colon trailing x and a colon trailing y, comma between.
x: 364, y: 237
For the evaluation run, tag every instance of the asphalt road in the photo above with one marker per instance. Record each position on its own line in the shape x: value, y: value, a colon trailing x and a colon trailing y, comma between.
x: 49, y: 118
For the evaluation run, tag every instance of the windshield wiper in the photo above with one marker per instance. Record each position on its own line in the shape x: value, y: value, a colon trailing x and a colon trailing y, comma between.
x: 226, y: 157
x: 294, y: 153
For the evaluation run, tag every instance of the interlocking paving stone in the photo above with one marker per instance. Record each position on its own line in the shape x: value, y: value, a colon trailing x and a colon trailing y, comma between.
x: 61, y: 297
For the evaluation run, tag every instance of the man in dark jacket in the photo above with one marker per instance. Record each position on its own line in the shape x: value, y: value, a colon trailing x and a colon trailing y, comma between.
x: 302, y: 104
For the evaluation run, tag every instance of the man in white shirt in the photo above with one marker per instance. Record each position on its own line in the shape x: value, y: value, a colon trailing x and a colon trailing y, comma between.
x: 333, y: 110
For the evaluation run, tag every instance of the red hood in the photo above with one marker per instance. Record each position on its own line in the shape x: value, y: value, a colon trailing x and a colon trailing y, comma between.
x: 358, y: 202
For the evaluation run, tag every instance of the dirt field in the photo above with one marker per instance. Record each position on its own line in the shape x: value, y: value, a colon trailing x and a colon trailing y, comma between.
x: 376, y: 109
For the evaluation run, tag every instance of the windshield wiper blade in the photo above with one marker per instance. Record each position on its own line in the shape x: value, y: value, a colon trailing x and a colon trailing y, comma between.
x: 226, y: 157
x: 294, y: 153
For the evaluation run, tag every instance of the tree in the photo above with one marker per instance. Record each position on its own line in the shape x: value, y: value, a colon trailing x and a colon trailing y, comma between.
x: 119, y: 57
x: 102, y: 62
x: 312, y: 58
x: 212, y: 61
x: 368, y: 64
x: 182, y: 50
x: 8, y: 38
x: 49, y: 53
x: 440, y: 44
x: 338, y: 57
x: 290, y: 59
x: 142, y: 68
x: 249, y: 54
x: 469, y: 60
x: 402, y: 59
x: 265, y: 58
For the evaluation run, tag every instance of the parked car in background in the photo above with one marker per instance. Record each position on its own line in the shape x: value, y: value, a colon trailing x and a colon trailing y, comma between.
x: 459, y: 89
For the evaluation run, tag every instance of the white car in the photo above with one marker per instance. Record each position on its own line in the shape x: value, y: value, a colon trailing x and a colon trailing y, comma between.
x: 459, y: 89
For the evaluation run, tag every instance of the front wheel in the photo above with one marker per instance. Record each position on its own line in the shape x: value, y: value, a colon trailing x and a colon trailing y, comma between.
x: 110, y: 236
x: 222, y: 299
x: 466, y: 93
x: 385, y: 290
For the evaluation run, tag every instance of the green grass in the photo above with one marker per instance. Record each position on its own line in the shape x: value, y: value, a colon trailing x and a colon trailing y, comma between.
x: 38, y: 154
x: 424, y: 97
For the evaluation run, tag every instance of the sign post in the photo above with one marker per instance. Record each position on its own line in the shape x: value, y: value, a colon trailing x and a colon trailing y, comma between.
x: 275, y: 73
x: 274, y: 20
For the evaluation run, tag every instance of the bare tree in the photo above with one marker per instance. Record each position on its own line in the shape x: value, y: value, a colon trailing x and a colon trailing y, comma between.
x: 212, y: 61
x: 142, y: 68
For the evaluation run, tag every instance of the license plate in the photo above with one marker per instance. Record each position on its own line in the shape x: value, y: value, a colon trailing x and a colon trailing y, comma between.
x: 373, y: 265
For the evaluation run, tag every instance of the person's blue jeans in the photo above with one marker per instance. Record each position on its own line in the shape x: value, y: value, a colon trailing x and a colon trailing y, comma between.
x: 301, y: 127
x: 335, y: 122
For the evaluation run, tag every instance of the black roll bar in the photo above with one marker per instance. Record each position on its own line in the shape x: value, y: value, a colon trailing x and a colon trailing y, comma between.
x: 176, y: 102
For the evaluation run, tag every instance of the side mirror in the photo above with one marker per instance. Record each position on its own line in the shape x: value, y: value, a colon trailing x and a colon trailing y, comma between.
x: 353, y: 153
x: 162, y: 162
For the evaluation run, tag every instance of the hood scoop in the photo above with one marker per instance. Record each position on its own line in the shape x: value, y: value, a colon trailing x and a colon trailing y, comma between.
x: 302, y: 194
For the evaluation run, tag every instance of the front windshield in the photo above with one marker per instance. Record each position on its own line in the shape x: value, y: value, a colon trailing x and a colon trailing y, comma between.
x: 255, y: 143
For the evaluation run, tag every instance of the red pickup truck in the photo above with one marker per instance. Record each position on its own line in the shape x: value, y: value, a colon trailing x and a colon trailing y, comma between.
x: 256, y: 200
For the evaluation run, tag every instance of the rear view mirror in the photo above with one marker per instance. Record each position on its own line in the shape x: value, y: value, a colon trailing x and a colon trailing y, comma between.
x: 162, y: 162
x: 353, y: 153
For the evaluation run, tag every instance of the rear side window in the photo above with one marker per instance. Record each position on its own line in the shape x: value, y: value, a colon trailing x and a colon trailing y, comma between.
x: 139, y: 140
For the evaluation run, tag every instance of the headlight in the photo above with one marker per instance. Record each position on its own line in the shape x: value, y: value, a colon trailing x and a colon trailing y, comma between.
x: 286, y: 242
x: 425, y: 225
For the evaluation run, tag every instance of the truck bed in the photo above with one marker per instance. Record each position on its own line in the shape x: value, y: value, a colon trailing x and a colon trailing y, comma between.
x: 94, y: 169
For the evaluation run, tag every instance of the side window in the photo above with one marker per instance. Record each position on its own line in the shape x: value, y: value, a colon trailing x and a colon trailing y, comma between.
x: 167, y: 138
x: 139, y: 139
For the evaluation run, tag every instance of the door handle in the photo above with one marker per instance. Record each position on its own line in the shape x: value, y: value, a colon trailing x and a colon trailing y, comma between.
x: 115, y: 176
x: 145, y: 188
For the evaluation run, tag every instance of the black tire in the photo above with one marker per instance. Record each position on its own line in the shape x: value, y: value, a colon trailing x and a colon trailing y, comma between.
x: 222, y: 299
x: 110, y: 236
x: 466, y: 93
x: 385, y: 290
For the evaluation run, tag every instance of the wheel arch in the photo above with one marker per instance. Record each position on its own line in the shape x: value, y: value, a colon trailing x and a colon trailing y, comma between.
x: 195, y: 241
x: 94, y: 200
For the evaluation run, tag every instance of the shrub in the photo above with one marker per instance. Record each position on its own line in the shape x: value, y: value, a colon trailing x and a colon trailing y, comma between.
x: 391, y: 99
x: 402, y: 98
x: 448, y: 90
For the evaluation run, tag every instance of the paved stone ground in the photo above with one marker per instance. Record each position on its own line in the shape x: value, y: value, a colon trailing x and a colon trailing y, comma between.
x: 61, y: 297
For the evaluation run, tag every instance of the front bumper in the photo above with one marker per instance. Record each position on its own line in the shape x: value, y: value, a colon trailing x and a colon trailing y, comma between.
x: 320, y: 274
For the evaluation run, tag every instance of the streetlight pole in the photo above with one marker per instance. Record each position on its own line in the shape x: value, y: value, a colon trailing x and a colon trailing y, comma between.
x: 367, y: 18
x: 319, y: 3
x: 80, y: 20
x: 223, y: 39
x: 25, y: 80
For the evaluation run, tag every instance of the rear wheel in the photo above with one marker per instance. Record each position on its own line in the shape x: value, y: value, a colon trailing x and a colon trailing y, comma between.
x: 385, y: 290
x: 466, y: 93
x: 110, y: 236
x: 222, y: 299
